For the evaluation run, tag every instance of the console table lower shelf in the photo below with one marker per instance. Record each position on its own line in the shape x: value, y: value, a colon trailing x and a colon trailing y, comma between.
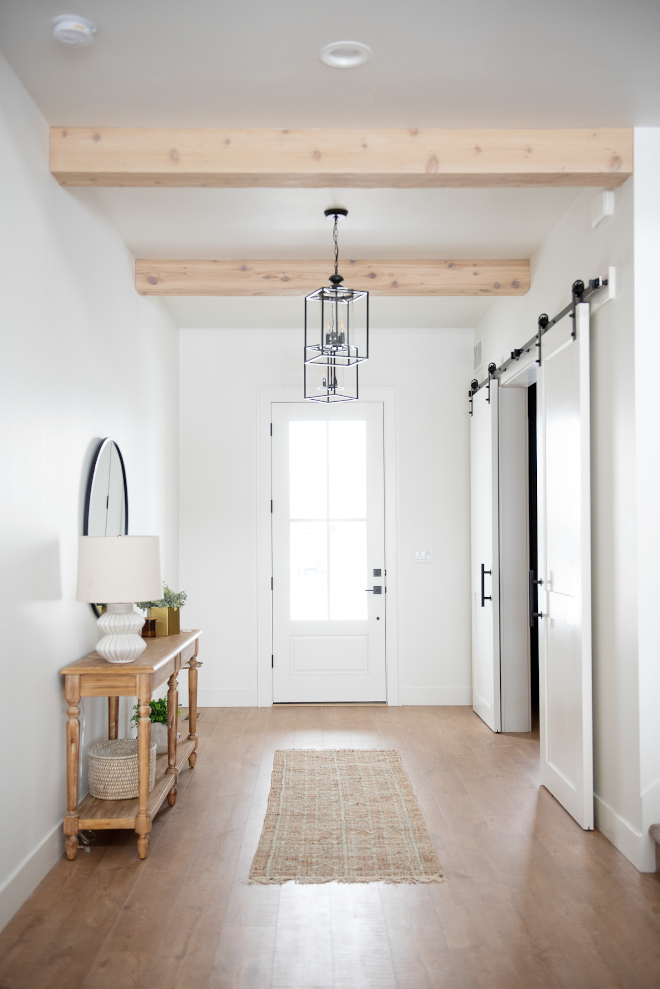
x: 98, y: 815
x: 92, y: 676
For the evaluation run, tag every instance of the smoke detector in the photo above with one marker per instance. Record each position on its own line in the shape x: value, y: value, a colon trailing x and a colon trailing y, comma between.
x: 73, y: 30
x: 345, y: 54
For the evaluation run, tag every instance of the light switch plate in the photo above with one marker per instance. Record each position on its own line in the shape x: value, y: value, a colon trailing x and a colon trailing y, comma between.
x: 422, y: 556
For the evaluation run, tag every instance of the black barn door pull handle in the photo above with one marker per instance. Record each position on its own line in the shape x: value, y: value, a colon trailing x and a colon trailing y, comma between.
x: 484, y: 597
x: 533, y: 602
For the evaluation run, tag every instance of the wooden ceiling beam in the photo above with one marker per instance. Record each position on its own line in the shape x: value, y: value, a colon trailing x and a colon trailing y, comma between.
x: 205, y: 277
x: 88, y: 156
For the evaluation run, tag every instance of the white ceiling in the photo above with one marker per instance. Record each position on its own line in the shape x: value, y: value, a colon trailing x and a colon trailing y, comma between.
x: 510, y: 63
x: 254, y: 63
x: 289, y: 223
x: 381, y: 224
x: 284, y: 313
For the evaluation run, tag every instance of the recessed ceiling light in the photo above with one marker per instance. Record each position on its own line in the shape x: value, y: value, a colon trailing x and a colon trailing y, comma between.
x: 73, y: 30
x: 345, y: 54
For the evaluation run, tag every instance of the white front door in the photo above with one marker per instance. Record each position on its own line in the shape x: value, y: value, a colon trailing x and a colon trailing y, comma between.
x: 328, y: 553
x: 565, y: 567
x: 485, y: 561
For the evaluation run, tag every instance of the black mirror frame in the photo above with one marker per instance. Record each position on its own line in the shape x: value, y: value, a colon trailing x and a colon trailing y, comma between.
x: 88, y: 493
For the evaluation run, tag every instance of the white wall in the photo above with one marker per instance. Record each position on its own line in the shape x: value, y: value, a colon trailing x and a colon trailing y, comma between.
x: 575, y: 250
x: 647, y: 333
x: 221, y: 372
x: 83, y: 356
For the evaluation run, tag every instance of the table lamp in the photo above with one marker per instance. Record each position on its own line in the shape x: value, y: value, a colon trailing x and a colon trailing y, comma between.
x: 118, y: 570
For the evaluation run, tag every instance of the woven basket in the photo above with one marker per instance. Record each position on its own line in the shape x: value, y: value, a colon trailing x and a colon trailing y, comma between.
x: 113, y: 769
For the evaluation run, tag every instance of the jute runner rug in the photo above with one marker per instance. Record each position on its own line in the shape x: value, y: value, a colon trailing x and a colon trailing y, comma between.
x: 344, y: 815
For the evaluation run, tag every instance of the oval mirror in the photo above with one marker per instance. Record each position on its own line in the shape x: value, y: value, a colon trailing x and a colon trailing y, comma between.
x: 106, y: 501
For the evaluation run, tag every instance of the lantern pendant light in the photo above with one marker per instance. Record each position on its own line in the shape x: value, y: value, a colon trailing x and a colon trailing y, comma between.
x: 336, y: 335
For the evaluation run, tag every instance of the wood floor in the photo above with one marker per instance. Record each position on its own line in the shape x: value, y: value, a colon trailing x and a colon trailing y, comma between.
x: 532, y: 901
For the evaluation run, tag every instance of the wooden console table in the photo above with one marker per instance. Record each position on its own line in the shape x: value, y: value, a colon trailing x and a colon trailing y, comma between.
x: 94, y: 677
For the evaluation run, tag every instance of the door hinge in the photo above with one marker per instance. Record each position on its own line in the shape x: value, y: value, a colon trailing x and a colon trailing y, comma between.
x: 271, y: 505
x: 271, y: 583
x: 271, y: 429
x: 272, y: 662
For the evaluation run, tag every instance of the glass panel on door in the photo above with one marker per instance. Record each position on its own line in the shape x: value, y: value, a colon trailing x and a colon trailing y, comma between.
x: 328, y: 520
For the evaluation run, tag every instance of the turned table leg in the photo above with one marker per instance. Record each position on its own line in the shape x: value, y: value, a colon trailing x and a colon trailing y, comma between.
x: 172, y: 722
x: 113, y: 717
x: 192, y: 706
x: 143, y: 821
x: 72, y: 693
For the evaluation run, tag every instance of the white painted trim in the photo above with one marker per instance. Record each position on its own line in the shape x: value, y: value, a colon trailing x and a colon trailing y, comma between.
x: 388, y: 397
x: 265, y: 397
x: 227, y: 697
x: 27, y: 875
x: 586, y: 778
x: 606, y: 294
x: 637, y: 847
x: 522, y: 373
x: 649, y: 789
x: 650, y: 815
x: 437, y: 696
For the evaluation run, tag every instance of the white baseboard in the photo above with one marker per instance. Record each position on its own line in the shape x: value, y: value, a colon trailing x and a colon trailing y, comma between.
x: 227, y: 697
x: 28, y: 874
x: 248, y: 696
x: 437, y: 696
x: 637, y: 847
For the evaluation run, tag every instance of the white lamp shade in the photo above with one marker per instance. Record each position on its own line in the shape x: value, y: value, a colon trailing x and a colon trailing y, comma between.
x: 118, y: 569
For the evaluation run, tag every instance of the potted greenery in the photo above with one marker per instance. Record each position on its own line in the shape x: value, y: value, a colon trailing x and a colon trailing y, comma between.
x: 158, y: 723
x: 165, y: 611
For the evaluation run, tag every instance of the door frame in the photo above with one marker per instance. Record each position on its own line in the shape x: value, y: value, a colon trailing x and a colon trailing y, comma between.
x: 265, y: 398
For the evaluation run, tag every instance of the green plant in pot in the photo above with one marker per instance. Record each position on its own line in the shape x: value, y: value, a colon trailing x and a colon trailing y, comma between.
x: 165, y: 611
x: 158, y: 723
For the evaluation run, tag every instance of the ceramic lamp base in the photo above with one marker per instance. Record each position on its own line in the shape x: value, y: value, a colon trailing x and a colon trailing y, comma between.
x: 120, y: 626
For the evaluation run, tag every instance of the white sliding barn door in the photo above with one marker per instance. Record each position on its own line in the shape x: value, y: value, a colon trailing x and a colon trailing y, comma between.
x: 485, y: 561
x: 565, y: 567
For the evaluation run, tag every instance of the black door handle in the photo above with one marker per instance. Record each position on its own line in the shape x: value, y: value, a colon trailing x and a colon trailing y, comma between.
x: 533, y: 599
x: 484, y: 597
x: 376, y: 589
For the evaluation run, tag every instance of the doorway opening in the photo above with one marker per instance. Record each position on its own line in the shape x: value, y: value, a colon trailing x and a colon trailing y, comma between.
x: 532, y: 515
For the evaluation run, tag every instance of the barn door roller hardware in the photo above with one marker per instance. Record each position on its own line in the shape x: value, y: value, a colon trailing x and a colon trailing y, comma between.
x: 474, y: 384
x: 579, y: 293
x: 543, y: 321
x: 492, y: 368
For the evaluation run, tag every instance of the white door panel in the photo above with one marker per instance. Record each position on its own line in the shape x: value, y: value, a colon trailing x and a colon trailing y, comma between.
x: 328, y: 539
x: 485, y: 557
x: 329, y: 653
x: 565, y: 567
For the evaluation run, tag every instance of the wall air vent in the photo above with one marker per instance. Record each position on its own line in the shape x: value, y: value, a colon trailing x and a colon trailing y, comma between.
x: 478, y: 354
